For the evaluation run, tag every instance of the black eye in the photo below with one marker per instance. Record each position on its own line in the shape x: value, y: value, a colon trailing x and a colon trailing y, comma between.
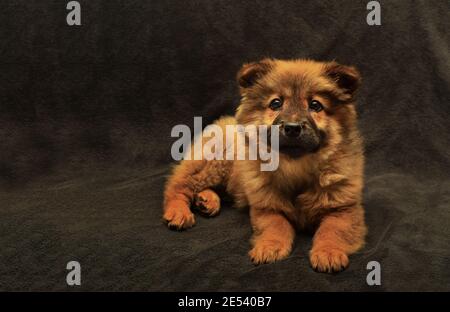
x: 315, y: 106
x: 275, y: 104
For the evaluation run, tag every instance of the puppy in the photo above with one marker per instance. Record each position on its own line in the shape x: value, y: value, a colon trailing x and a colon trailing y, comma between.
x: 318, y: 184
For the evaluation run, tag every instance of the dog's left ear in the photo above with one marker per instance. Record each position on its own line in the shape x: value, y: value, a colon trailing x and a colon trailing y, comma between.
x: 347, y: 78
x: 252, y: 72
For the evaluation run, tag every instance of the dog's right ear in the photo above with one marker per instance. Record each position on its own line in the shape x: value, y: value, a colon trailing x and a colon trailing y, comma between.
x: 251, y: 72
x: 347, y: 78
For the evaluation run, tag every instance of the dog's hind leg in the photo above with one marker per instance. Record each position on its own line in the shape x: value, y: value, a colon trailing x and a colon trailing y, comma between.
x: 207, y: 202
x: 192, y: 180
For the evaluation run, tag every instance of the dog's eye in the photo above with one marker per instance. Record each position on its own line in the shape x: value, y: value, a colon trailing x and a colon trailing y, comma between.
x: 275, y: 104
x: 315, y: 105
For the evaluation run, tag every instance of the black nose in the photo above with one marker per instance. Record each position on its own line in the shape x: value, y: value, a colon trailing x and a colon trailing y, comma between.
x: 292, y: 129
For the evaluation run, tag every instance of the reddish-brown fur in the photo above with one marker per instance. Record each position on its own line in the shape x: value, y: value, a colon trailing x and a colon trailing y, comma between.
x: 318, y: 191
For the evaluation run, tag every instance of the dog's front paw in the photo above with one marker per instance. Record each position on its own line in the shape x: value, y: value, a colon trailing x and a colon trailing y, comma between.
x: 178, y: 215
x: 328, y: 260
x: 267, y: 251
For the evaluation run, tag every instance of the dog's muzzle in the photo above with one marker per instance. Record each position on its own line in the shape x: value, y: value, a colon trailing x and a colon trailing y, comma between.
x: 298, y: 138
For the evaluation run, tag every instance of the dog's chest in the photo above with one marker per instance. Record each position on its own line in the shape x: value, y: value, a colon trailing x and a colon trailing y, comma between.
x: 296, y: 175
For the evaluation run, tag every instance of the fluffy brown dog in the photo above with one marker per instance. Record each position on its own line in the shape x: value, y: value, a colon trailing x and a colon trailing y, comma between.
x: 319, y: 181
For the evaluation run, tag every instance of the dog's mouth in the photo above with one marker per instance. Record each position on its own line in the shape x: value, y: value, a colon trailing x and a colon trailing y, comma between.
x: 299, y: 146
x: 292, y: 151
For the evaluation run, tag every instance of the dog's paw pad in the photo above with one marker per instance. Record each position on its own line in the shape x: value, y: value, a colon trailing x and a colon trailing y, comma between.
x: 178, y: 216
x: 328, y: 260
x: 180, y: 221
x: 269, y: 251
x: 208, y: 203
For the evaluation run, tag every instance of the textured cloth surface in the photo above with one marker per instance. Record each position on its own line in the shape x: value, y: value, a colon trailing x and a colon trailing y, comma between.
x: 85, y: 120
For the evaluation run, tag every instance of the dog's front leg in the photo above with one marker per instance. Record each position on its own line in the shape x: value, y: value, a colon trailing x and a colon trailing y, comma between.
x: 273, y: 235
x: 338, y: 235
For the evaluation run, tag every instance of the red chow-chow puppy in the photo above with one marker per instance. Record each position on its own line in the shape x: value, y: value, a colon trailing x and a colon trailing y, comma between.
x: 318, y: 183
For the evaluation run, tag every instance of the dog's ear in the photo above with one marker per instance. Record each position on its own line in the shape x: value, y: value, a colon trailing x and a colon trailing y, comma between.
x: 251, y: 72
x: 347, y: 78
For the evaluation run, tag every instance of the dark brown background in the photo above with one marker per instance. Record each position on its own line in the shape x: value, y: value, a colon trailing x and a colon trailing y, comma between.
x: 85, y: 120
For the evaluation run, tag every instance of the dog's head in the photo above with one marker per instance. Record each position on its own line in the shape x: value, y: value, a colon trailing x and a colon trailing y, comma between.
x: 311, y: 102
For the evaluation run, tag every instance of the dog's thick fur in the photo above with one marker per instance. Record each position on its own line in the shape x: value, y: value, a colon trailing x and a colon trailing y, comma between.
x: 319, y: 190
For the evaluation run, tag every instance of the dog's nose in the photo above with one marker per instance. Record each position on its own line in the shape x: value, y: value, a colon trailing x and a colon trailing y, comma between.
x: 292, y: 129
